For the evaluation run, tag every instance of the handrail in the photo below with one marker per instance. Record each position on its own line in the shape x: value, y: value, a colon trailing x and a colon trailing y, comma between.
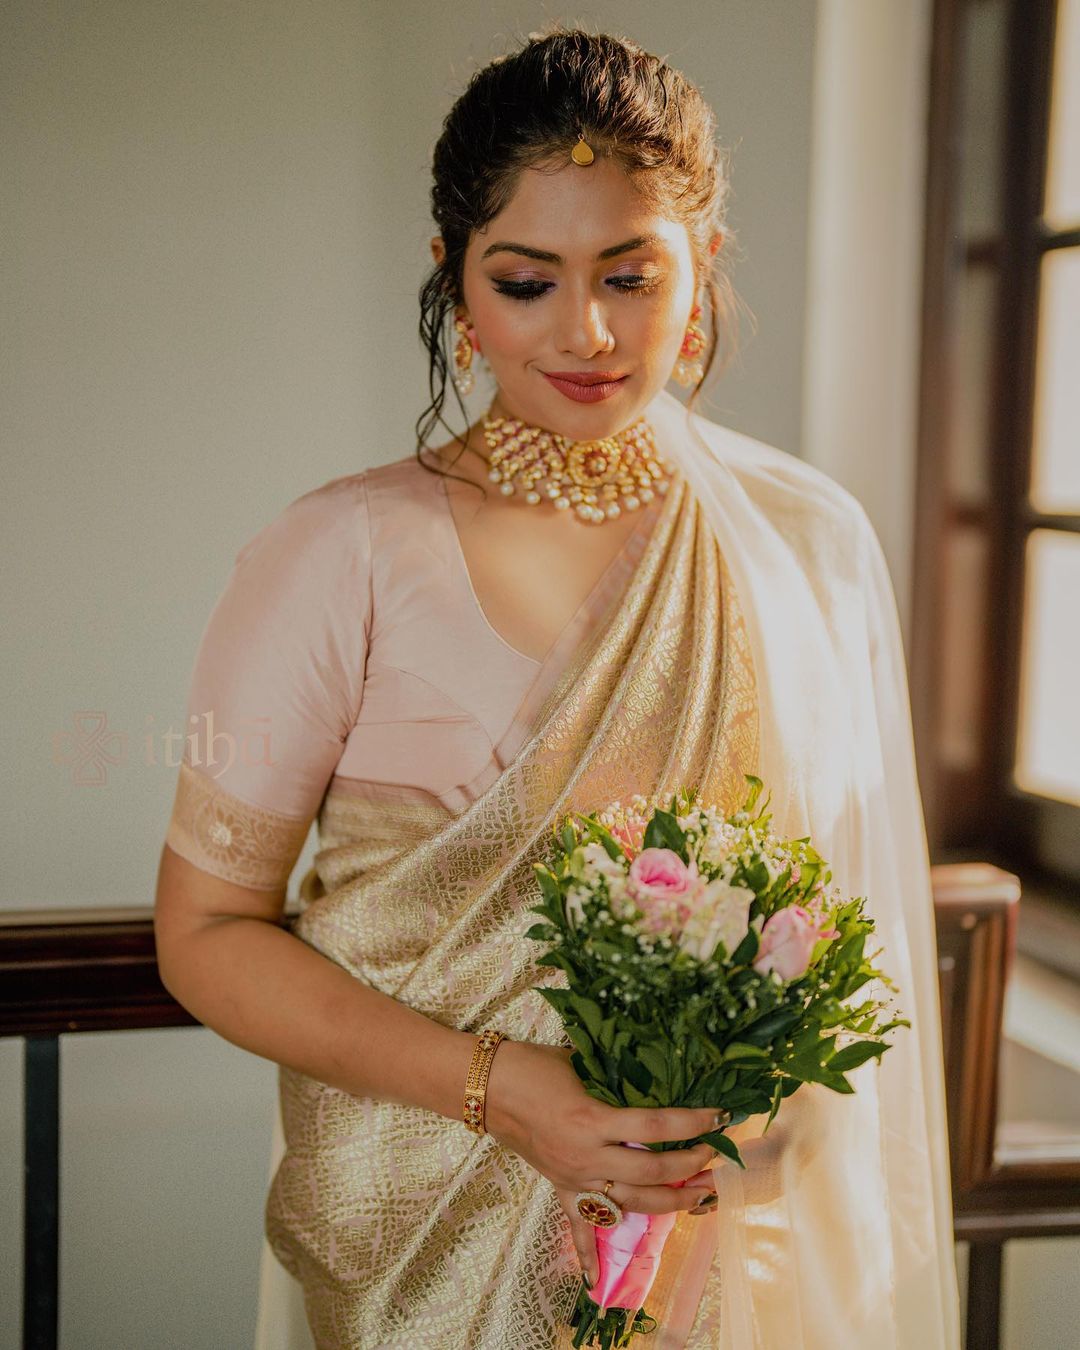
x: 72, y: 970
x: 82, y: 970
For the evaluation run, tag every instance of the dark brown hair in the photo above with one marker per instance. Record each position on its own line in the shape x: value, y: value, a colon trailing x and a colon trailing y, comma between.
x: 524, y: 111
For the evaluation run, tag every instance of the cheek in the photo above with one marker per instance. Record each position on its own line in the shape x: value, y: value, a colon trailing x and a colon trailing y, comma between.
x: 505, y: 328
x: 658, y: 332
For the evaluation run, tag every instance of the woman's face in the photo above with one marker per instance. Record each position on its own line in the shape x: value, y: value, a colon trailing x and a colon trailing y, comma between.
x: 573, y: 310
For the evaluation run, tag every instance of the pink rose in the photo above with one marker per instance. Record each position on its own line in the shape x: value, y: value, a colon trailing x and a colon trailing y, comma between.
x: 664, y: 888
x: 787, y: 939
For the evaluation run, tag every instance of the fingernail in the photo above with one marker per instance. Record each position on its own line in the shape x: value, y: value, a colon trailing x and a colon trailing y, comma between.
x: 587, y: 1278
x: 706, y: 1204
x: 721, y: 1118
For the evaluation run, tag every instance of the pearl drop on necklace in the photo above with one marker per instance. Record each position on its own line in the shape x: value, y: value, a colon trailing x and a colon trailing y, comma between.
x: 596, y: 480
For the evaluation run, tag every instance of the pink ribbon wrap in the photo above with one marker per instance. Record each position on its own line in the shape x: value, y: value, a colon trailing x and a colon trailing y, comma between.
x: 629, y: 1257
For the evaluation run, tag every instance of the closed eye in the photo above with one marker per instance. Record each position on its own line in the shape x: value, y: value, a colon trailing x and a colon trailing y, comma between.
x: 526, y: 291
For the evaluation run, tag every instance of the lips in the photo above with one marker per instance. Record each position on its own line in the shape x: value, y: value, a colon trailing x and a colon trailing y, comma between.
x: 582, y: 387
x: 586, y: 377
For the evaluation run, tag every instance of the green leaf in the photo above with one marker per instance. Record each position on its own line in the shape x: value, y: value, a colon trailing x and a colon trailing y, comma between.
x: 607, y: 1033
x: 635, y: 1071
x: 655, y: 1061
x: 753, y: 792
x: 549, y: 886
x: 851, y: 1056
x: 588, y: 1013
x: 810, y: 1071
x: 726, y: 1146
x: 740, y: 1050
x: 634, y: 1097
x: 586, y: 1068
x: 746, y: 949
x: 664, y: 831
x: 776, y: 1097
x: 773, y: 1024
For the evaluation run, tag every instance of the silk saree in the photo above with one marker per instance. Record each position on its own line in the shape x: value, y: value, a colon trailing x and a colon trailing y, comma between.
x: 757, y: 634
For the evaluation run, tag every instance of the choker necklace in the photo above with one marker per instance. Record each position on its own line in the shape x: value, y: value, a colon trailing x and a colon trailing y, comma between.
x: 598, y: 479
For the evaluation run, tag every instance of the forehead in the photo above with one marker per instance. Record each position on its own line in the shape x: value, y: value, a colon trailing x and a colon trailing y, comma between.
x: 577, y: 210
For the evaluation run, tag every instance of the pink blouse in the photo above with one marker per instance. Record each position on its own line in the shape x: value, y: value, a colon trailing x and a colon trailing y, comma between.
x: 349, y: 648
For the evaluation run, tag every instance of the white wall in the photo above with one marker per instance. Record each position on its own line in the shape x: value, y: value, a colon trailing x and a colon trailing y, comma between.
x: 217, y: 221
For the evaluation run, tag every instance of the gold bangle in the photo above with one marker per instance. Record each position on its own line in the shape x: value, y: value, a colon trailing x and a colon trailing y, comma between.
x: 476, y: 1080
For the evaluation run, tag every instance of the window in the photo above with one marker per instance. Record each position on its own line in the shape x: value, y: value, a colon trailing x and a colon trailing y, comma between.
x: 996, y: 652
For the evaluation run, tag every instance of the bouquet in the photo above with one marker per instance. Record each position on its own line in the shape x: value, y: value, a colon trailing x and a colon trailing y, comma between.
x: 707, y: 963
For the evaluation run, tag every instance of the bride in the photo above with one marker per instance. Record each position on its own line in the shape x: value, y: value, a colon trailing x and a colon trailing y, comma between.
x: 592, y: 592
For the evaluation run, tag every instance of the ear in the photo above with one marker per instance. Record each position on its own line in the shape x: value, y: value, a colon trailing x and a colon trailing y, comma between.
x: 438, y: 249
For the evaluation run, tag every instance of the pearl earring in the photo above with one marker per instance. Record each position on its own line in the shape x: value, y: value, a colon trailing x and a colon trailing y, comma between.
x: 688, y: 368
x: 463, y: 355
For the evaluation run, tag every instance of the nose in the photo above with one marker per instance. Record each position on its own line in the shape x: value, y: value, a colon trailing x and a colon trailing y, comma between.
x: 583, y: 328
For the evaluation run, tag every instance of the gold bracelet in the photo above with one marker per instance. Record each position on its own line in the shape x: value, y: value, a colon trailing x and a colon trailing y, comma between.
x: 476, y: 1080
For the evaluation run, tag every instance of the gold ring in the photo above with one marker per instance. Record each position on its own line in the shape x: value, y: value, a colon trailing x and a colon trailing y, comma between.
x: 597, y: 1208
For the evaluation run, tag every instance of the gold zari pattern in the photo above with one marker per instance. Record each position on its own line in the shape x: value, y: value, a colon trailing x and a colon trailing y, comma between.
x: 231, y: 838
x: 404, y: 1229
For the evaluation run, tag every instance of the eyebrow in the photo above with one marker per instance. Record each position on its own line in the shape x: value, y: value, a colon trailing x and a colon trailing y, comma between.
x: 639, y: 241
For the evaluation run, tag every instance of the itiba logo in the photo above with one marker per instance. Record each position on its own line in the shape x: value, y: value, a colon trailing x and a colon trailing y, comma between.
x: 91, y: 747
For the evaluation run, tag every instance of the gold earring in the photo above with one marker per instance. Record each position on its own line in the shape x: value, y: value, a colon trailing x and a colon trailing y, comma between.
x: 463, y: 355
x: 688, y: 368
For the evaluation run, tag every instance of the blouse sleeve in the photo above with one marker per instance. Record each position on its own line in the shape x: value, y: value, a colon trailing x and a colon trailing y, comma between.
x: 276, y: 689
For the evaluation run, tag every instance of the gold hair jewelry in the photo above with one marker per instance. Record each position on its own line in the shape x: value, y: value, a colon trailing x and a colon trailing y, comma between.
x: 463, y: 355
x: 477, y: 1078
x: 688, y: 368
x: 598, y: 1208
x: 582, y: 152
x: 599, y: 479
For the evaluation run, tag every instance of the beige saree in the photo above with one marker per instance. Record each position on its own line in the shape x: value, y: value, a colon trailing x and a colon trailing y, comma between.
x: 405, y: 1230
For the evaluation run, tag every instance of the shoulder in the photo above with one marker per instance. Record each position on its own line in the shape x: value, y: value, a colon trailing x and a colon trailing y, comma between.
x: 336, y: 522
x: 317, y: 522
x: 810, y: 508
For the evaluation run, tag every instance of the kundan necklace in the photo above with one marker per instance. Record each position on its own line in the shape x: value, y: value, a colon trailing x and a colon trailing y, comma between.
x: 598, y: 479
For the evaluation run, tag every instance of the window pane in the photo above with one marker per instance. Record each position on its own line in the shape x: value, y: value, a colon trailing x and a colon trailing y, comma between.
x: 1048, y: 746
x: 1055, y: 470
x: 981, y: 116
x: 1062, y: 208
x: 962, y: 659
x: 968, y: 458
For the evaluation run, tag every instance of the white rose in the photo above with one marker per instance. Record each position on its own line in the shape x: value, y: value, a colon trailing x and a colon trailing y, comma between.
x: 723, y: 916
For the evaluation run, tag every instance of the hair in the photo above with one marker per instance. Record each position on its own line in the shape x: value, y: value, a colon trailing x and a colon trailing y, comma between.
x: 526, y: 110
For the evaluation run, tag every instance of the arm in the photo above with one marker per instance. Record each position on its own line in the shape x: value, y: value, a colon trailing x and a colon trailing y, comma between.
x: 225, y: 956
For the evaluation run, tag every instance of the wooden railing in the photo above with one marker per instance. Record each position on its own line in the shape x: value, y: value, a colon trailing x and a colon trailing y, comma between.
x: 67, y: 971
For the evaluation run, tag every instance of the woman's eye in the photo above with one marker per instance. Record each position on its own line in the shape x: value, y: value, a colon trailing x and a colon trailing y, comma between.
x: 533, y: 290
x: 522, y: 290
x: 635, y: 283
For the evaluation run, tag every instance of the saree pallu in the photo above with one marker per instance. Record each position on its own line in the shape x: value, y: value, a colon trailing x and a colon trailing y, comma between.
x: 403, y: 1228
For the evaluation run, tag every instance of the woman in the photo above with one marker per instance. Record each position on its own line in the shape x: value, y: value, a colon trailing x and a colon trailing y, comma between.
x: 442, y: 673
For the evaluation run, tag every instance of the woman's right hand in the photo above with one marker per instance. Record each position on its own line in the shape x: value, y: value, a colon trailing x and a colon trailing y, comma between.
x: 538, y: 1107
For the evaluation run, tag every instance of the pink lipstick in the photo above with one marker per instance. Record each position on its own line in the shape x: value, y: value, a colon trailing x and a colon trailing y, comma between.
x: 585, y: 386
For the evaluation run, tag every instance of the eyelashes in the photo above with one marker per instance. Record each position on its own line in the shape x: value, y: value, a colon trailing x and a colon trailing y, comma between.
x: 526, y: 291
